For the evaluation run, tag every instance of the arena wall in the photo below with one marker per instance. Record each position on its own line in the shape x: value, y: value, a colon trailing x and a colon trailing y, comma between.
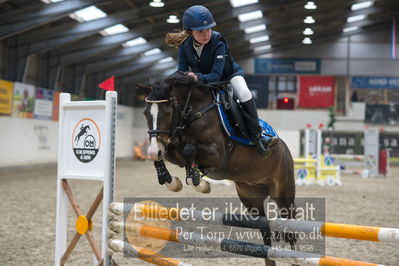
x: 35, y: 141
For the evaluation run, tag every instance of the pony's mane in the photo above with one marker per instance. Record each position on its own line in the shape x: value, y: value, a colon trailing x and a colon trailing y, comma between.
x: 180, y: 78
x: 161, y: 87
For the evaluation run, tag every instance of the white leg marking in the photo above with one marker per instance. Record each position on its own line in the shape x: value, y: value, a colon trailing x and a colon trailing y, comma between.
x: 153, y: 149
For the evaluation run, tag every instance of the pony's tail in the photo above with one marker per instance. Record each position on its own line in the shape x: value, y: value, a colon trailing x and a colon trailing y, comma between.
x: 175, y: 39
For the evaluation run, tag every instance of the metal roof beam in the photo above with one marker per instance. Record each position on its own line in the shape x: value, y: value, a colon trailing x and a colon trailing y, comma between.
x: 156, y: 70
x: 334, y: 27
x: 95, y: 42
x: 63, y: 35
x: 109, y: 62
x: 20, y: 21
x: 136, y: 65
x: 101, y: 46
x: 328, y: 36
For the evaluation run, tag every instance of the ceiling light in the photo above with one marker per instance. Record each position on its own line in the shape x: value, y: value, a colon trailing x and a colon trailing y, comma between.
x: 165, y: 60
x: 152, y: 51
x: 118, y: 28
x: 173, y: 19
x: 51, y: 1
x: 255, y: 28
x: 307, y: 40
x: 350, y: 29
x: 134, y: 42
x: 264, y: 47
x: 355, y: 18
x: 310, y: 5
x: 157, y: 3
x: 308, y: 31
x: 361, y: 5
x: 250, y: 16
x: 309, y: 20
x: 89, y: 13
x: 237, y: 3
x: 259, y: 39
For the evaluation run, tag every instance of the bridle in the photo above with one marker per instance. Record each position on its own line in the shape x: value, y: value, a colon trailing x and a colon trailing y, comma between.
x: 181, y: 117
x: 176, y: 112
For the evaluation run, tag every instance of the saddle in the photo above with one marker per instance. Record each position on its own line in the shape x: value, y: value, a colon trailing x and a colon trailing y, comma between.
x: 231, y: 115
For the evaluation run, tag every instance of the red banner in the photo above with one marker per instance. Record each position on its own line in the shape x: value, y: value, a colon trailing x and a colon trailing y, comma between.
x: 316, y: 91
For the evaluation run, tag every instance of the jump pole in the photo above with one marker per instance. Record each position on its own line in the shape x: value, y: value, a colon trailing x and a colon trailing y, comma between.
x: 245, y: 248
x: 144, y: 254
x: 348, y: 231
x: 86, y: 151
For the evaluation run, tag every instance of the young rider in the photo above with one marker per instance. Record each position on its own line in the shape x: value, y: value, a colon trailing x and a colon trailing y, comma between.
x: 205, y: 57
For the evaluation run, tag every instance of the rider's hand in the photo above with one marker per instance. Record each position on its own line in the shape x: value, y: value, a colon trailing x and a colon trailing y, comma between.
x: 191, y: 74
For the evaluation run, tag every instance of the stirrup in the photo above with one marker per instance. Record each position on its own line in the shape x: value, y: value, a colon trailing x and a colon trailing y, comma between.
x: 264, y: 145
x: 271, y: 142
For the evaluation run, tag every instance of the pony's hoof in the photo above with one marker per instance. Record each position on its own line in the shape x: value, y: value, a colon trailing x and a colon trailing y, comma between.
x: 203, y: 187
x: 176, y: 185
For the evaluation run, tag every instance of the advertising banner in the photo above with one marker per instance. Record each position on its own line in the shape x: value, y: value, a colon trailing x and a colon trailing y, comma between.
x: 6, y: 88
x: 375, y: 82
x: 287, y: 66
x: 24, y: 97
x: 316, y: 91
x: 259, y: 87
x: 43, y: 104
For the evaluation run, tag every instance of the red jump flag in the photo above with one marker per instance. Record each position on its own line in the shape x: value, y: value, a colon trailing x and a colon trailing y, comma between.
x: 108, y: 84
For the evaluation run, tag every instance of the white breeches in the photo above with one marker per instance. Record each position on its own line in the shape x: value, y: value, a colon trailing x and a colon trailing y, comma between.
x: 240, y: 89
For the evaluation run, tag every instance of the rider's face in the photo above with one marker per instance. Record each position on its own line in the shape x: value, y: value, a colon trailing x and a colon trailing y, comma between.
x: 202, y: 36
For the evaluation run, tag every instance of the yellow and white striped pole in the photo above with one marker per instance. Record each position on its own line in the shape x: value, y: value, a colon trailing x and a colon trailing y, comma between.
x: 227, y: 245
x: 359, y: 232
x: 144, y: 254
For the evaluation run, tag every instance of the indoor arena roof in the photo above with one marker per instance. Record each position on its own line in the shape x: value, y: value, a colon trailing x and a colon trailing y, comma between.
x: 125, y: 37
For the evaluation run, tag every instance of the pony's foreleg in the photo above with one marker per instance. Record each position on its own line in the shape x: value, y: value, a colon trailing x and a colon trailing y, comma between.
x: 193, y: 175
x: 164, y: 178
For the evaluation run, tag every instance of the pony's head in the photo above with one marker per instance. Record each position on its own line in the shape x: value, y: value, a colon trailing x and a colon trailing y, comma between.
x: 158, y: 112
x: 162, y: 110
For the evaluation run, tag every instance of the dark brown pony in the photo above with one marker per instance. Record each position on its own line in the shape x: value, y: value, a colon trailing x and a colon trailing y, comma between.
x: 184, y: 128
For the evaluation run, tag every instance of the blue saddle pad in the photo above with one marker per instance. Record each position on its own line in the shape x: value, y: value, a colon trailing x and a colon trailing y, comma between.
x: 267, y: 129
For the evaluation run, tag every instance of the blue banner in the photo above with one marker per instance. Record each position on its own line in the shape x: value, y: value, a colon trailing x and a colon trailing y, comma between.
x: 375, y: 83
x: 259, y: 87
x: 287, y: 66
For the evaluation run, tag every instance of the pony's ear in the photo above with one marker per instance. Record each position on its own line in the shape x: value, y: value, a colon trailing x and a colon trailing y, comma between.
x: 143, y: 88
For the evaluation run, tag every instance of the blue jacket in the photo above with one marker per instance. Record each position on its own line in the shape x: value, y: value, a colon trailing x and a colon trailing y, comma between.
x: 214, y: 64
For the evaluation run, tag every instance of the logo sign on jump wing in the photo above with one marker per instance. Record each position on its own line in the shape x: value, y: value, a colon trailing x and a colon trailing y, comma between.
x: 86, y: 140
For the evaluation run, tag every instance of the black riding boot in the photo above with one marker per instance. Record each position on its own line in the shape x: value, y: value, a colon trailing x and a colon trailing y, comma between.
x: 255, y: 130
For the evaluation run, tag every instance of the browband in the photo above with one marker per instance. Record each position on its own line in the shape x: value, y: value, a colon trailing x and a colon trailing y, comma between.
x: 156, y: 101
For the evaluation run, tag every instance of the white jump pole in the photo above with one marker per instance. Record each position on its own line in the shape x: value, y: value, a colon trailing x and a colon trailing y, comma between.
x: 306, y: 149
x: 371, y: 152
x: 86, y: 151
x: 318, y: 154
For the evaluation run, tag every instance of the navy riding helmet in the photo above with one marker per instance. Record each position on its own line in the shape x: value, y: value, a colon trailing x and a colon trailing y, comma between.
x: 198, y: 18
